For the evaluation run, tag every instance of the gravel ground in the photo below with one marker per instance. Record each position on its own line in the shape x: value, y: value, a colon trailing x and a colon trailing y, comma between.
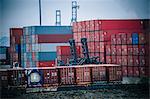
x: 125, y: 93
x: 128, y: 92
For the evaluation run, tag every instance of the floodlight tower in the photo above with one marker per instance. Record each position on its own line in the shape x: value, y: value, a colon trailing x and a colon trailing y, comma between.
x: 75, y: 7
x: 58, y: 18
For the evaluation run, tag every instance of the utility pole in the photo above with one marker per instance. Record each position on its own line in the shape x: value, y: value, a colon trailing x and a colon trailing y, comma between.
x: 40, y: 16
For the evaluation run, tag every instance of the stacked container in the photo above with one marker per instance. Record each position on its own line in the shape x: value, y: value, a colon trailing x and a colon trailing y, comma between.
x: 15, y: 45
x: 117, y: 42
x: 95, y: 37
x: 39, y: 44
x: 63, y: 53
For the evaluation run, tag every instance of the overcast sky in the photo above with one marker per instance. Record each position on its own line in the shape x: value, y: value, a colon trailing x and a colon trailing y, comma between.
x: 19, y: 13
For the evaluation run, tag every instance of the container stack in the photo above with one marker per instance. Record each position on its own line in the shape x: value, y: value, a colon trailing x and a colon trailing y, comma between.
x: 120, y: 42
x: 4, y: 56
x: 95, y: 37
x: 64, y: 55
x: 39, y: 44
x: 15, y: 46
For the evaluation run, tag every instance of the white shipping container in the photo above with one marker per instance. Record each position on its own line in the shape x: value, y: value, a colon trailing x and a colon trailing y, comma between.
x: 2, y: 56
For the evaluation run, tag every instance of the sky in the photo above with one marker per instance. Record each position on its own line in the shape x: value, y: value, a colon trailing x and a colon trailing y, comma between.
x: 20, y: 13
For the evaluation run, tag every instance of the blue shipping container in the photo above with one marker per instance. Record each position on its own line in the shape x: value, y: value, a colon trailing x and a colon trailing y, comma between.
x: 48, y: 30
x: 135, y: 38
x: 47, y: 56
x: 2, y: 50
x: 18, y: 48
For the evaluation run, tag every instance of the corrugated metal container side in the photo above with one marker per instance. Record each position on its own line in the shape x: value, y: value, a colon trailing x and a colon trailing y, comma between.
x: 98, y: 74
x: 54, y: 38
x: 50, y: 77
x: 67, y: 76
x: 46, y: 63
x: 4, y: 78
x: 83, y: 75
x: 47, y: 56
x: 48, y: 30
x: 17, y: 77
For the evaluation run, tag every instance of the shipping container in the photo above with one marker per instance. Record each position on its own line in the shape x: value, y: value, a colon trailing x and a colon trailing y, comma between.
x: 3, y: 78
x: 136, y: 72
x: 54, y: 38
x: 98, y: 74
x: 142, y: 39
x: 17, y: 77
x: 50, y: 77
x: 113, y: 50
x: 124, y: 61
x: 67, y: 76
x: 32, y: 30
x: 124, y: 71
x: 108, y: 59
x: 47, y: 56
x: 119, y: 49
x: 108, y: 50
x: 83, y: 75
x: 123, y: 38
x: 135, y: 38
x: 46, y: 63
x: 124, y: 50
x: 135, y: 50
x: 115, y: 73
x: 130, y: 71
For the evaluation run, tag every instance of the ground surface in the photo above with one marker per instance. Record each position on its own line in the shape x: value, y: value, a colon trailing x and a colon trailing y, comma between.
x: 126, y: 92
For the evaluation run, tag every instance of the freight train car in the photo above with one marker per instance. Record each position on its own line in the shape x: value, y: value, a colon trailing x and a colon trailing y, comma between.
x: 54, y: 77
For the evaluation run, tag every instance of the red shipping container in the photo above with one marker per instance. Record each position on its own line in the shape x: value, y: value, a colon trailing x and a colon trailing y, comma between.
x: 118, y: 38
x: 50, y: 77
x: 101, y: 46
x: 124, y: 70
x: 92, y: 36
x: 67, y: 75
x: 142, y: 61
x: 130, y: 61
x: 102, y: 36
x: 92, y: 25
x: 130, y: 71
x: 124, y: 61
x: 113, y: 39
x: 141, y: 49
x: 97, y: 55
x: 119, y: 47
x: 98, y: 74
x: 65, y: 59
x: 83, y: 75
x: 79, y: 37
x: 88, y: 36
x: 120, y: 24
x: 102, y: 58
x: 92, y: 54
x: 89, y: 46
x: 87, y: 23
x: 97, y: 25
x: 83, y: 25
x: 75, y: 36
x: 123, y: 38
x: 142, y: 71
x: 124, y: 50
x: 97, y: 36
x: 130, y: 50
x: 108, y: 59
x: 119, y: 60
x: 135, y: 60
x: 142, y: 39
x: 92, y: 47
x: 54, y: 38
x: 135, y: 50
x: 83, y: 34
x: 108, y: 50
x: 114, y: 59
x: 79, y: 26
x: 74, y: 27
x: 113, y: 50
x: 46, y: 63
x: 16, y: 33
x: 136, y: 71
x: 115, y: 74
x: 129, y: 38
x: 97, y: 46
